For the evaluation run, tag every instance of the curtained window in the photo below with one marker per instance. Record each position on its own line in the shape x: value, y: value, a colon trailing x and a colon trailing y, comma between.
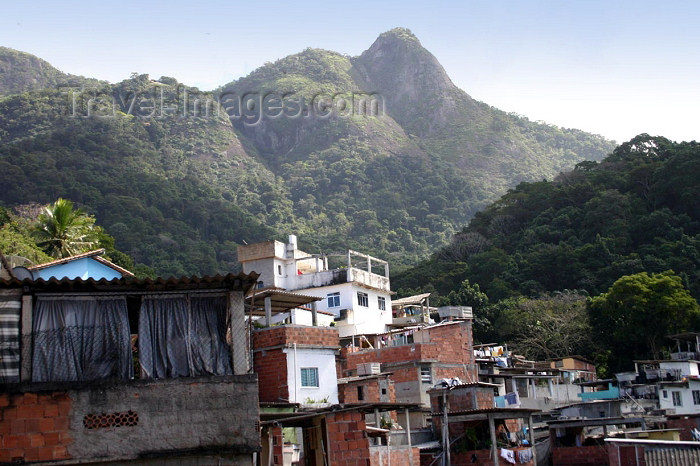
x: 81, y: 339
x: 183, y: 336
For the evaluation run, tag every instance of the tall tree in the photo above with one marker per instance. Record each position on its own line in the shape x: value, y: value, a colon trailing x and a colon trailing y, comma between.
x: 546, y: 327
x: 62, y: 231
x: 633, y: 318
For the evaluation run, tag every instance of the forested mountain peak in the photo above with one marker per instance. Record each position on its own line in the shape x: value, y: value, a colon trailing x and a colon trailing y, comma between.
x: 23, y: 72
x: 380, y: 152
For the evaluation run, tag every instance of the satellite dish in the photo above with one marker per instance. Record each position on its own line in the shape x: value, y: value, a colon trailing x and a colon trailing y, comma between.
x: 22, y: 273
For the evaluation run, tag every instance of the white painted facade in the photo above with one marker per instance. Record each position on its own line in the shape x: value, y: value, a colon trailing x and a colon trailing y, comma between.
x: 301, y: 317
x: 284, y: 266
x: 682, y: 368
x: 678, y: 396
x: 308, y: 358
x: 357, y: 319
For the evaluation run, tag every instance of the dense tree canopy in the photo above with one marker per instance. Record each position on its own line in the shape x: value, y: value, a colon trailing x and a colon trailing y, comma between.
x: 635, y: 211
x: 633, y: 318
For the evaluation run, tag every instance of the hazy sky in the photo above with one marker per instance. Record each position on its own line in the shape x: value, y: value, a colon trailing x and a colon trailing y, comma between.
x: 616, y: 68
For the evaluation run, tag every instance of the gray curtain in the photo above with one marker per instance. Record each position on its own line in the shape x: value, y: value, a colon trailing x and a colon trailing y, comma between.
x: 81, y: 339
x: 10, y: 308
x: 210, y: 353
x: 181, y: 336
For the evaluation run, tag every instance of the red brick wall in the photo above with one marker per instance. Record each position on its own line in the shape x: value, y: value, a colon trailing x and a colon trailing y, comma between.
x: 579, y: 456
x: 277, y: 445
x: 448, y: 344
x: 271, y: 368
x: 348, y: 444
x: 625, y: 455
x: 34, y: 427
x: 686, y: 424
x: 399, y: 456
x: 347, y: 392
x: 466, y: 458
x: 301, y: 335
x: 270, y: 362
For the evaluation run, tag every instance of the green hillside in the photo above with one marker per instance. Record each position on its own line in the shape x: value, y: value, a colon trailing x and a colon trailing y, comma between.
x: 180, y: 183
x: 635, y: 211
x: 22, y: 72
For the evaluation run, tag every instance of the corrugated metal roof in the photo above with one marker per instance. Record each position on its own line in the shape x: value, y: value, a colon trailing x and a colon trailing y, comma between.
x: 672, y: 457
x: 409, y: 300
x: 241, y: 281
x: 64, y: 260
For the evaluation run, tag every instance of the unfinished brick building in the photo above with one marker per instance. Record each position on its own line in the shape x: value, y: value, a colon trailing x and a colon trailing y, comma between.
x: 128, y: 371
x: 296, y: 364
x: 417, y: 360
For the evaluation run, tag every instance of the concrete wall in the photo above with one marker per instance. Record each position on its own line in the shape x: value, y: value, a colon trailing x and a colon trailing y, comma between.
x: 394, y: 456
x: 321, y: 359
x: 684, y: 367
x: 142, y: 419
x: 361, y: 320
x: 274, y: 363
x: 688, y: 405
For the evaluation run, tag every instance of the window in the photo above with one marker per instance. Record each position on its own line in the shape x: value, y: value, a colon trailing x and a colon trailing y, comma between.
x: 425, y: 374
x: 676, y: 398
x: 696, y: 397
x: 279, y: 269
x: 333, y: 299
x: 665, y: 393
x: 360, y: 393
x: 309, y: 376
x: 362, y: 299
x: 559, y: 363
x: 382, y: 303
x: 261, y: 284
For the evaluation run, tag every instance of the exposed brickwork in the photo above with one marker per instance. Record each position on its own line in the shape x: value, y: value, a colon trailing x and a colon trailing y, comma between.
x: 580, y: 456
x: 686, y: 424
x: 299, y: 334
x: 271, y: 367
x: 451, y: 344
x: 446, y: 349
x: 463, y: 398
x: 277, y: 446
x: 270, y: 361
x: 625, y: 455
x: 34, y: 427
x: 217, y: 414
x: 394, y: 456
x: 480, y: 458
x: 348, y: 392
x: 348, y: 444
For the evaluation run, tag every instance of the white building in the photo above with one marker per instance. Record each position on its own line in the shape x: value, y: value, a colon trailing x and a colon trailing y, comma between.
x: 357, y: 291
x: 681, y: 396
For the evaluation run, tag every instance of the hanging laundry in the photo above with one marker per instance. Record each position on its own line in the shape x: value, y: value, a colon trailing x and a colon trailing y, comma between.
x: 508, y: 455
x: 525, y: 456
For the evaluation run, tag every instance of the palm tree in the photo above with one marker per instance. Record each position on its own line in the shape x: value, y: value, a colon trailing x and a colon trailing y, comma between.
x: 63, y: 232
